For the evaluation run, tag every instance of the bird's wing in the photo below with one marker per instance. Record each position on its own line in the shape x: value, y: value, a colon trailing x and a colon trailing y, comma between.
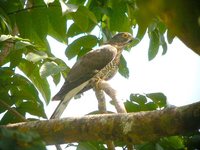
x: 81, y: 73
x: 85, y: 68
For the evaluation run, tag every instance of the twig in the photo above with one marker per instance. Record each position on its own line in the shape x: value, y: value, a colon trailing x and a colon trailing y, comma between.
x: 13, y: 111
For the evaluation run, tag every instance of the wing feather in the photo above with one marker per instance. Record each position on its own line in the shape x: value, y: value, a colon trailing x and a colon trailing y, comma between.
x: 86, y: 67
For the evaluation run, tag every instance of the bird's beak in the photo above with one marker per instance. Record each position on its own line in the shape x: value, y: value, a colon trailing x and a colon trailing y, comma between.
x: 130, y: 40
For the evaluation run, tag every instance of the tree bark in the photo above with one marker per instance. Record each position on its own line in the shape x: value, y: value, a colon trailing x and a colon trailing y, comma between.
x: 134, y: 128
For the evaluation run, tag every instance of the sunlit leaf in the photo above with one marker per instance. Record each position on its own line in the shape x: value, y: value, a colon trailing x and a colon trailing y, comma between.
x: 49, y: 68
x: 5, y: 37
x: 33, y: 57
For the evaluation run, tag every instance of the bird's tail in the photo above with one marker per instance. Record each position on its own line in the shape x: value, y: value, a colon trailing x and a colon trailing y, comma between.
x: 63, y: 104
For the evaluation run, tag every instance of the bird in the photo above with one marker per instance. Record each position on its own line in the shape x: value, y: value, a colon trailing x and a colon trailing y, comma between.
x: 98, y: 64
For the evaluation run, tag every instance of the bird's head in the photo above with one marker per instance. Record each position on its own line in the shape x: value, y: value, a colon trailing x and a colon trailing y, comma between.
x: 121, y: 39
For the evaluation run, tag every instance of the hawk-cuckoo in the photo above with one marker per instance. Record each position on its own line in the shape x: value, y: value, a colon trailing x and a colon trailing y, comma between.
x: 99, y: 64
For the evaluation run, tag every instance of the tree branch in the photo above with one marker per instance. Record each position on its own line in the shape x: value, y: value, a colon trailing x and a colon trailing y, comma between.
x: 134, y: 128
x: 13, y: 111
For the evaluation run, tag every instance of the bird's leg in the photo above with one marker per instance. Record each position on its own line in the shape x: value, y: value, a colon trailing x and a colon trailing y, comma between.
x: 101, y: 100
x: 103, y: 85
x: 102, y: 107
x: 113, y: 94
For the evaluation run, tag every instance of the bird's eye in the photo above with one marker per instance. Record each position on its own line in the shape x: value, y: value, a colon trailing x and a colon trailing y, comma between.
x: 125, y: 35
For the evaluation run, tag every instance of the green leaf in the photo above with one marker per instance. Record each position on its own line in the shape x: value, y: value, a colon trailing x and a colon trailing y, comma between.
x: 32, y: 108
x: 86, y: 146
x: 15, y: 57
x: 170, y: 36
x: 9, y: 118
x: 159, y: 98
x: 90, y: 146
x: 33, y: 57
x: 73, y: 30
x: 32, y: 72
x: 163, y: 43
x: 39, y: 20
x: 131, y: 107
x: 140, y: 99
x: 25, y: 29
x: 25, y: 87
x: 84, y: 42
x: 83, y: 15
x: 56, y: 78
x: 140, y: 34
x: 123, y: 69
x: 55, y: 29
x: 13, y: 139
x: 173, y: 142
x: 49, y: 68
x: 154, y: 44
x: 118, y: 18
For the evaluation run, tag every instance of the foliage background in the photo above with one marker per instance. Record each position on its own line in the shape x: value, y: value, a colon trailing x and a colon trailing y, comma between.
x: 24, y: 26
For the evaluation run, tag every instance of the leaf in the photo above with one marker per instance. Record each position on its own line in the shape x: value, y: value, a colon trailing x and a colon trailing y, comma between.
x: 49, y: 68
x: 84, y: 42
x: 118, y: 18
x: 39, y: 20
x: 73, y: 30
x: 140, y: 99
x: 9, y: 118
x: 15, y: 57
x: 123, y: 69
x: 170, y: 36
x: 83, y: 15
x: 25, y: 29
x: 32, y: 72
x: 163, y: 43
x: 86, y: 146
x: 90, y: 146
x: 26, y: 140
x: 140, y: 34
x: 32, y: 108
x: 56, y: 78
x: 131, y: 107
x: 154, y: 44
x: 55, y: 29
x: 173, y: 142
x: 63, y: 66
x: 5, y: 37
x: 33, y: 57
x: 26, y: 89
x: 159, y: 98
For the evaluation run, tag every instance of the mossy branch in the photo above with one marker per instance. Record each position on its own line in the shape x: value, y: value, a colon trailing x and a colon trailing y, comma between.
x: 134, y: 128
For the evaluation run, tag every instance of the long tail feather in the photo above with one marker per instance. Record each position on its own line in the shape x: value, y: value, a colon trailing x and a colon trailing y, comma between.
x: 63, y: 104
